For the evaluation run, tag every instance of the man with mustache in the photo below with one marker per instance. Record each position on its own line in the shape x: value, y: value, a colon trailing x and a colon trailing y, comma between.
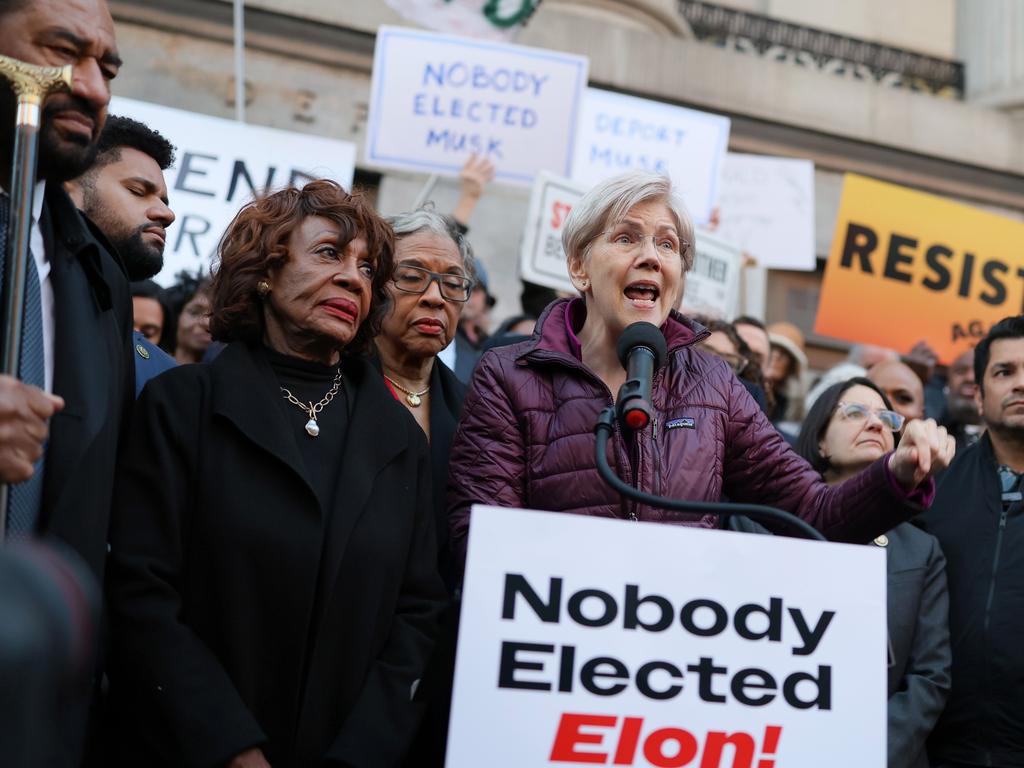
x: 125, y: 195
x: 978, y: 517
x: 59, y: 424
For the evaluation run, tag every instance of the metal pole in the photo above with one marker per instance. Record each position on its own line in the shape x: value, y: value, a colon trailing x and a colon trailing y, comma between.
x: 240, y: 60
x: 424, y: 194
x: 31, y: 84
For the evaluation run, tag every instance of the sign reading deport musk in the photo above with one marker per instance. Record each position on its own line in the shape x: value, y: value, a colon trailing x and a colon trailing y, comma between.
x: 436, y: 99
x: 589, y: 641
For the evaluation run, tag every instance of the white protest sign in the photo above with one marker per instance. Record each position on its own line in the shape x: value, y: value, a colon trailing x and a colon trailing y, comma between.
x: 766, y: 207
x: 436, y: 99
x: 619, y: 133
x: 494, y: 19
x: 218, y: 166
x: 596, y: 641
x: 713, y: 285
x: 541, y: 259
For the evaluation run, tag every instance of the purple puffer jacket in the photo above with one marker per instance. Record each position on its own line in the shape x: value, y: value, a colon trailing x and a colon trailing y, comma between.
x: 526, y: 440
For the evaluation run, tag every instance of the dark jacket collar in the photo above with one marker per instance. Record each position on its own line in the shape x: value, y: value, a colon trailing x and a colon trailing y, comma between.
x: 244, y: 385
x: 75, y: 237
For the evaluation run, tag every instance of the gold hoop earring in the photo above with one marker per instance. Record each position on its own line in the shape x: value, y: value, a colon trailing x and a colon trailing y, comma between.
x: 262, y: 288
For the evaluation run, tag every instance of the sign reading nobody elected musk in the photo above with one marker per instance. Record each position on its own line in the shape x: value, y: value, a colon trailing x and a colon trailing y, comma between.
x: 619, y: 133
x: 438, y: 98
x: 927, y: 267
x: 218, y: 166
x: 596, y: 641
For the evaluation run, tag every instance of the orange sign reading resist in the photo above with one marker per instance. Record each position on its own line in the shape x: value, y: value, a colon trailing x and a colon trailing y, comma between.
x: 907, y: 266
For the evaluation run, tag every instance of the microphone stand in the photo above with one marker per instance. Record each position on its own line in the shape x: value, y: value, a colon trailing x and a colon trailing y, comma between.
x: 606, y: 426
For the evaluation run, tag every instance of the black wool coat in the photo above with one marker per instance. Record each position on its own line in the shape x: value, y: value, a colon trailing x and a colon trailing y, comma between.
x: 242, y: 613
x: 93, y: 370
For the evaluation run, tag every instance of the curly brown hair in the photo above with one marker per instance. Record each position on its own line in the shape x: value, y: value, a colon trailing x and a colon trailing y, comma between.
x: 256, y: 242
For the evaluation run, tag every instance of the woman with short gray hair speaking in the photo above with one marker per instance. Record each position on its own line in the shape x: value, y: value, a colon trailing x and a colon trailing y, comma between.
x: 526, y: 437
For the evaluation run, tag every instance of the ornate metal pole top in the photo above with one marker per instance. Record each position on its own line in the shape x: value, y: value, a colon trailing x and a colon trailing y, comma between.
x: 32, y: 83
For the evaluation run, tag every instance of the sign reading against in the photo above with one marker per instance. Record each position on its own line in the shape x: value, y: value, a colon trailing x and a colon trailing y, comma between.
x: 766, y: 207
x: 595, y: 641
x: 713, y: 285
x: 619, y: 133
x: 925, y: 267
x: 495, y: 19
x: 541, y: 259
x: 436, y: 99
x: 219, y: 164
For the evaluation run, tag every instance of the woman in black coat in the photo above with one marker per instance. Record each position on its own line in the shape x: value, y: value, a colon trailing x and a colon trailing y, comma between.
x: 433, y: 277
x: 850, y: 425
x: 272, y: 581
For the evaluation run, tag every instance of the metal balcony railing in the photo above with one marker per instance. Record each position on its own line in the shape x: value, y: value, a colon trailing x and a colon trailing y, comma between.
x: 827, y: 51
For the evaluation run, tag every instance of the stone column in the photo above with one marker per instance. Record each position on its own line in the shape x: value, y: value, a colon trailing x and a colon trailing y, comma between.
x: 990, y: 42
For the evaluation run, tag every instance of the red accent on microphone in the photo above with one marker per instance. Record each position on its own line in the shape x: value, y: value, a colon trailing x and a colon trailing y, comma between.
x: 636, y: 419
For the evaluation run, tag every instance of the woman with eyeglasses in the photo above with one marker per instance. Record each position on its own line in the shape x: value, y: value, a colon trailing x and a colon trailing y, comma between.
x: 850, y: 426
x: 526, y: 437
x: 432, y: 279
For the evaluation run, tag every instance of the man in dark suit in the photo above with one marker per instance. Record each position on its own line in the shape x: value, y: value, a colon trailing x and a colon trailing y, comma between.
x: 77, y: 300
x: 125, y: 196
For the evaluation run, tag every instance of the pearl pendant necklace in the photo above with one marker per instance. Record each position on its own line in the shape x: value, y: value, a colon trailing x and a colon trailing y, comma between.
x: 311, y: 408
x: 414, y: 399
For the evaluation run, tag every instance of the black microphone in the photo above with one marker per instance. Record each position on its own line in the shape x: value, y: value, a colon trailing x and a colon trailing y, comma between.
x: 642, y: 350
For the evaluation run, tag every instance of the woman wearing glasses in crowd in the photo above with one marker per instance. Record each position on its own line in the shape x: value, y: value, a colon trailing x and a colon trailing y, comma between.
x: 432, y: 280
x: 850, y: 426
x: 526, y: 436
x: 272, y: 578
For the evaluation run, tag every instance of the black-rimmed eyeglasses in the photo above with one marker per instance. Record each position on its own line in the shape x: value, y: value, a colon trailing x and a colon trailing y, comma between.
x: 417, y: 280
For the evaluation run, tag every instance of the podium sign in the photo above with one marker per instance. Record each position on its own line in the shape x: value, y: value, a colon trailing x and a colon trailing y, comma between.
x: 590, y: 641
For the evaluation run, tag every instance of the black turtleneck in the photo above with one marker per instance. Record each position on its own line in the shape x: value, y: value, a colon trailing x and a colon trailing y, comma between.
x: 309, y: 382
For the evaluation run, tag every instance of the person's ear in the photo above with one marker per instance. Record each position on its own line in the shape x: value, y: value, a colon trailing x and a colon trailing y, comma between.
x: 578, y: 274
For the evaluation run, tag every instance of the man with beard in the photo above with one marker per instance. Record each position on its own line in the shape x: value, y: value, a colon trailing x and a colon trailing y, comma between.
x: 76, y: 295
x: 977, y: 517
x: 125, y: 196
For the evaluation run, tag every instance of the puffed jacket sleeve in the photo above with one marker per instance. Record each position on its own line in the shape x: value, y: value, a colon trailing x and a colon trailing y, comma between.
x: 760, y: 467
x: 488, y: 459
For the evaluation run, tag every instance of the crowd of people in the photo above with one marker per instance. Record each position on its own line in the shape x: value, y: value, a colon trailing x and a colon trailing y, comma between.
x: 271, y: 467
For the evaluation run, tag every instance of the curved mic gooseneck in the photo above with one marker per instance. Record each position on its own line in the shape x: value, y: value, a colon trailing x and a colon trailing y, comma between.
x: 605, y: 427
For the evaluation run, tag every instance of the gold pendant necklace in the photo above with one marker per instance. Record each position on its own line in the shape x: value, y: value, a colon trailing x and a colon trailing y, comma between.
x: 414, y: 399
x: 311, y: 409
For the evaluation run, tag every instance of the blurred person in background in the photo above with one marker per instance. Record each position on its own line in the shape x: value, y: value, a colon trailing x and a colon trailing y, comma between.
x: 526, y: 436
x: 962, y: 417
x: 755, y: 334
x: 850, y: 426
x: 275, y: 603
x: 726, y: 342
x: 978, y: 518
x: 187, y: 334
x: 901, y: 386
x: 149, y: 314
x: 786, y: 373
x: 511, y: 331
